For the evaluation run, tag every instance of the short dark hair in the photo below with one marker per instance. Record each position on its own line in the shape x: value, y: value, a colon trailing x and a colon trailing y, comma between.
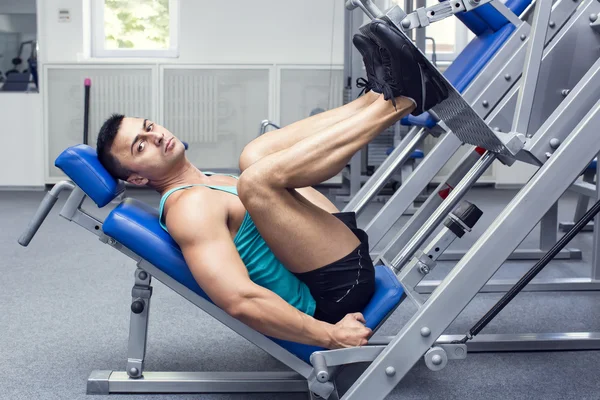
x: 106, y: 137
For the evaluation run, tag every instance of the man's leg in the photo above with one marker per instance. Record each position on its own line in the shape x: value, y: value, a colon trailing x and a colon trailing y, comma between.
x: 303, y: 236
x: 274, y: 141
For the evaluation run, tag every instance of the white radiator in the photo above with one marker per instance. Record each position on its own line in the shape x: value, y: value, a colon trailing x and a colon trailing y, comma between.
x: 191, y: 107
x: 123, y: 93
x: 127, y: 91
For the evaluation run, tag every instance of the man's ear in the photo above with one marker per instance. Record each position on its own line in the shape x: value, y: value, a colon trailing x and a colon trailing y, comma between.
x: 137, y: 180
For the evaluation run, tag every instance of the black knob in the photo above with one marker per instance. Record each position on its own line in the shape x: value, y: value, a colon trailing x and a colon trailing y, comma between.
x: 137, y: 307
x: 468, y: 213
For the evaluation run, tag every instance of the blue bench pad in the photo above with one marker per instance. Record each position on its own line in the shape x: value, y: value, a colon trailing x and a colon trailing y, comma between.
x: 135, y: 225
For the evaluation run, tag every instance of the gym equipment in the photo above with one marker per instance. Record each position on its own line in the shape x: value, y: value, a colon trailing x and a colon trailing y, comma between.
x: 264, y: 124
x: 86, y: 109
x: 496, y: 43
x: 493, y: 93
x: 586, y: 190
x: 16, y: 82
x: 16, y: 78
x: 561, y: 148
x: 133, y: 228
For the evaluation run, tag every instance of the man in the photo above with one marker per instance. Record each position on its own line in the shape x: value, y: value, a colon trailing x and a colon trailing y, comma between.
x: 268, y: 248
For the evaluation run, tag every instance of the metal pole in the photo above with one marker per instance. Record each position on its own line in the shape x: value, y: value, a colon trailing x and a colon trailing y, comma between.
x: 533, y: 62
x: 420, y: 32
x: 436, y: 218
x: 400, y: 155
x: 595, y: 273
x: 410, y: 229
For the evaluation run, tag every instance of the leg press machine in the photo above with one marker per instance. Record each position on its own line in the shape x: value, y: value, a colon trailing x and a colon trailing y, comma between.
x: 561, y: 146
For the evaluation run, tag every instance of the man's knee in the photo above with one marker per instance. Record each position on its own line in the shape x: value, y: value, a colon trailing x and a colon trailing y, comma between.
x: 250, y: 155
x: 258, y: 182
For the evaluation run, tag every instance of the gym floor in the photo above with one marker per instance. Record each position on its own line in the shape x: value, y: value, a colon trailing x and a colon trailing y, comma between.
x: 64, y: 311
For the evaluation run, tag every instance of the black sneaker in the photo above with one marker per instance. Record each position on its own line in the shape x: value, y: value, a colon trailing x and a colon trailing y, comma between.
x: 406, y: 74
x: 369, y: 51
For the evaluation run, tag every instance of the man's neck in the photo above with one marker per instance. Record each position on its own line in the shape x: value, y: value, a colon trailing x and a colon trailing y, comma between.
x: 186, y: 174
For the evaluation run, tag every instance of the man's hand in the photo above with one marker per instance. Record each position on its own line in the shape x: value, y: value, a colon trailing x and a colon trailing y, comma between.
x: 349, y: 332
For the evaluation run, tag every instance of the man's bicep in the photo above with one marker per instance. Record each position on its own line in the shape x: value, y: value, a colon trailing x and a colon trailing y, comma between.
x: 218, y: 269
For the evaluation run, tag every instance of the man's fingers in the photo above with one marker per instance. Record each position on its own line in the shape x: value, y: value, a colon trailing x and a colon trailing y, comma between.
x: 359, y: 317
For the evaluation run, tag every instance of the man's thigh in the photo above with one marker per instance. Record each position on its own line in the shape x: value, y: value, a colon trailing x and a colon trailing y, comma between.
x: 318, y: 199
x: 301, y: 234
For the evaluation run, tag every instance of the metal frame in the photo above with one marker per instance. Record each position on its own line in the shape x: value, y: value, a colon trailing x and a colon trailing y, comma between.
x: 513, y: 45
x: 495, y: 116
x: 566, y: 116
x: 105, y: 382
x: 586, y: 190
x: 480, y: 263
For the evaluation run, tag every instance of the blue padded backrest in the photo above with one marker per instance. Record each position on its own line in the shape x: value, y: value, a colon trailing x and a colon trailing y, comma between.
x: 475, y: 56
x: 135, y: 225
x: 473, y: 22
x: 81, y: 164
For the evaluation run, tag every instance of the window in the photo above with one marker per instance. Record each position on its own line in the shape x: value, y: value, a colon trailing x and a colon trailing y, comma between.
x: 134, y: 28
x: 449, y: 35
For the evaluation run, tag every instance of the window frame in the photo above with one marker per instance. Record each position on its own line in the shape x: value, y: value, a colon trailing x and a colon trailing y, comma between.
x: 461, y: 41
x: 99, y: 36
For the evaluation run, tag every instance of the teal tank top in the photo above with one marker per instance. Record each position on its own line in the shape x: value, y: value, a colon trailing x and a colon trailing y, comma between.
x: 263, y: 267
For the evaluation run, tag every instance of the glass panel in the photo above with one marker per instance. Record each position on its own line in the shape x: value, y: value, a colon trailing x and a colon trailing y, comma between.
x: 140, y: 24
x: 18, y: 47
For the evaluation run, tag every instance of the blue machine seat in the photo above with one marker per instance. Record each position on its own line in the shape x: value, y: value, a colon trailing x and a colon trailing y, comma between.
x: 135, y: 225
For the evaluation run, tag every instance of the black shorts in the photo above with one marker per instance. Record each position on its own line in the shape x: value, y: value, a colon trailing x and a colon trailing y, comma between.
x: 346, y: 285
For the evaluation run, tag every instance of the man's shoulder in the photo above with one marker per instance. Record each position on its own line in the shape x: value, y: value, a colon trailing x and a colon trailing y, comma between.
x: 194, y: 205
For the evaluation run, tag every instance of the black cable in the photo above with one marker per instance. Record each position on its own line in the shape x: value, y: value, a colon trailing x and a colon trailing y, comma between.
x: 499, y: 306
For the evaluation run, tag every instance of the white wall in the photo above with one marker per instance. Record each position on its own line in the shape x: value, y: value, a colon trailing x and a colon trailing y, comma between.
x: 22, y: 161
x: 221, y: 32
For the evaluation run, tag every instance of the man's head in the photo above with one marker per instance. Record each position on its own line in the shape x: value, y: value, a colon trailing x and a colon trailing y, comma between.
x: 138, y: 150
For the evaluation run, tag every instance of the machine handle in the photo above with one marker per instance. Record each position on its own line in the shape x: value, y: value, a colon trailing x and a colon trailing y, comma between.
x: 42, y: 212
x: 264, y: 124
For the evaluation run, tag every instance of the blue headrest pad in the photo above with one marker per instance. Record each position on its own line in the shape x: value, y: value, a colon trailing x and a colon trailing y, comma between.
x: 135, y: 225
x: 81, y: 164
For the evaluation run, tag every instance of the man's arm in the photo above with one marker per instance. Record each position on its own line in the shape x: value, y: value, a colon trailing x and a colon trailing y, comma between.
x: 216, y: 265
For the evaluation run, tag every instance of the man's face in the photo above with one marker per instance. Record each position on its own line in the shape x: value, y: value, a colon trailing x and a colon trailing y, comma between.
x: 147, y: 149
